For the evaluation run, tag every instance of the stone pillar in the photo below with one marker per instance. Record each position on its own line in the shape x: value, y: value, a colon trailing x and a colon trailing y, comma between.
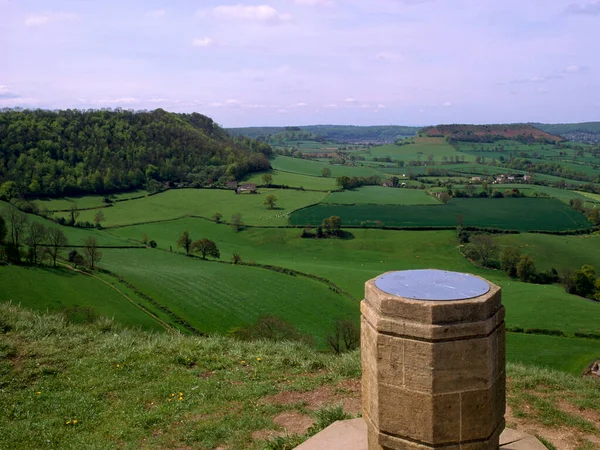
x: 433, y: 361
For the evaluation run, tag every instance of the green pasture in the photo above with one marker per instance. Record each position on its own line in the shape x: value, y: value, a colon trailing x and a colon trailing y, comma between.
x: 178, y: 203
x: 217, y: 297
x: 52, y: 289
x: 75, y: 235
x: 87, y: 201
x: 570, y: 355
x: 351, y: 262
x: 420, y: 150
x: 313, y: 168
x: 316, y: 183
x: 556, y: 252
x: 382, y: 196
x: 506, y: 213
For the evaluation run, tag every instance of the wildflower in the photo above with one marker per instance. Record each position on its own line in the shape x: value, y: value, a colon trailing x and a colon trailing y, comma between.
x: 68, y: 422
x: 38, y: 392
x: 169, y: 400
x: 258, y: 359
x: 74, y: 421
x: 243, y: 362
x: 172, y: 395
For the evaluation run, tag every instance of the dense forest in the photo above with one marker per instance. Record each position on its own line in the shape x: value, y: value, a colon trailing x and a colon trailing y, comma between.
x: 524, y: 133
x: 73, y: 152
x: 336, y: 133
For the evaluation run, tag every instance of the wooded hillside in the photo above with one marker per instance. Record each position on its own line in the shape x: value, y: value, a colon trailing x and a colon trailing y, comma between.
x: 71, y: 152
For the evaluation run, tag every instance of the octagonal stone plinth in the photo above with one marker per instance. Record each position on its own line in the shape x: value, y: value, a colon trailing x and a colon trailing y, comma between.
x: 433, y: 368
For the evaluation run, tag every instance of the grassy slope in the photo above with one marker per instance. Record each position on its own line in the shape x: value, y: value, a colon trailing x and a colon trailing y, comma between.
x: 217, y: 297
x: 123, y: 388
x: 313, y: 168
x: 87, y: 201
x: 556, y: 251
x: 205, y: 203
x: 54, y: 289
x: 508, y: 213
x: 291, y: 179
x: 382, y: 195
x: 420, y: 150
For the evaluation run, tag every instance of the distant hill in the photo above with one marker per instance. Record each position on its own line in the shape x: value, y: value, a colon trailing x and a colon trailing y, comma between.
x: 490, y: 133
x: 588, y: 132
x: 336, y: 133
x: 74, y: 152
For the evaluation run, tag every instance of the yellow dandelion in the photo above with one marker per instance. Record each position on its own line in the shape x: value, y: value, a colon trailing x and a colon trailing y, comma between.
x: 118, y: 365
x: 258, y: 359
x: 243, y: 362
x: 38, y: 392
x: 180, y: 394
x: 172, y: 395
x: 68, y: 422
x: 74, y: 421
x: 170, y: 400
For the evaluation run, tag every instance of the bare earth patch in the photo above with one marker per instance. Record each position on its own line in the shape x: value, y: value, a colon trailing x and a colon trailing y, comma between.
x: 347, y: 393
x: 561, y: 437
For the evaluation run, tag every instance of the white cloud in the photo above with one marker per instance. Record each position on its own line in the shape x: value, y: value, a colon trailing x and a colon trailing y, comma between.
x: 156, y: 14
x: 44, y: 19
x: 298, y: 105
x: 204, y: 42
x: 6, y: 93
x: 447, y: 105
x: 264, y: 14
x: 380, y: 106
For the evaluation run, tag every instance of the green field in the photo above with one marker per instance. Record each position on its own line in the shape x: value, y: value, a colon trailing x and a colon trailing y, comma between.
x: 556, y: 251
x: 382, y: 196
x: 296, y: 180
x: 54, y: 289
x: 313, y: 168
x: 178, y: 203
x: 87, y: 201
x: 420, y: 151
x: 217, y: 298
x: 551, y: 351
x: 508, y: 213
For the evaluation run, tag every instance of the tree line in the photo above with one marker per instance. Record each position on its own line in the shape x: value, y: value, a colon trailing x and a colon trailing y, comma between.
x: 73, y: 152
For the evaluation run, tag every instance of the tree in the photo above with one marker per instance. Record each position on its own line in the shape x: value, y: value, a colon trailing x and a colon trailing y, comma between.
x: 8, y: 190
x: 344, y: 335
x: 56, y: 242
x: 17, y: 221
x: 91, y: 252
x: 584, y: 281
x: 445, y: 197
x: 205, y: 247
x: 267, y: 179
x: 236, y: 222
x: 326, y: 172
x: 217, y: 217
x: 185, y: 241
x: 99, y: 217
x: 36, y: 235
x: 270, y: 201
x: 526, y: 269
x: 2, y: 230
x: 74, y: 212
x: 236, y: 258
x: 395, y: 181
x: 332, y: 226
x: 509, y: 259
x: 484, y: 248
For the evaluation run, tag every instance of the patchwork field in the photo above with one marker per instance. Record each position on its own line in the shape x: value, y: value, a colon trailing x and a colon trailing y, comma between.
x: 317, y: 183
x: 522, y: 214
x: 54, y: 289
x: 88, y: 201
x: 205, y: 203
x: 313, y: 168
x: 216, y: 297
x: 381, y: 196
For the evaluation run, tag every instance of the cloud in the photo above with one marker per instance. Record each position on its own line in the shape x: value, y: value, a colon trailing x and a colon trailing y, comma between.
x: 6, y: 93
x: 156, y: 14
x: 298, y: 105
x: 314, y: 2
x: 44, y: 19
x: 536, y: 79
x: 263, y: 14
x: 204, y: 42
x: 591, y: 8
x: 575, y: 69
x: 447, y: 105
x: 121, y: 101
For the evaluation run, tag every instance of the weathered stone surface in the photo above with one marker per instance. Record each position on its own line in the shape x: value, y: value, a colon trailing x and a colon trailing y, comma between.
x: 433, y: 372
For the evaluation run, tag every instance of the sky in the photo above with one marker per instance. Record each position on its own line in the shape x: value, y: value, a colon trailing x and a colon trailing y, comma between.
x: 301, y: 62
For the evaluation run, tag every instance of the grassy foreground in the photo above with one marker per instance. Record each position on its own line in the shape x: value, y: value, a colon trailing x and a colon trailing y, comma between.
x: 100, y: 386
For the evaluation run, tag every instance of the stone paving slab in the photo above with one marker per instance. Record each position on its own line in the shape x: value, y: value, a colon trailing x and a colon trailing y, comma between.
x: 352, y: 435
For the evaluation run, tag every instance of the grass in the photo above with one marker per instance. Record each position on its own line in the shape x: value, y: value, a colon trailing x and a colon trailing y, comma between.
x: 56, y: 289
x: 217, y: 298
x: 557, y: 252
x: 87, y: 201
x: 102, y: 387
x: 317, y: 183
x: 420, y: 150
x: 510, y: 213
x: 382, y: 196
x: 177, y: 203
x: 313, y: 168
